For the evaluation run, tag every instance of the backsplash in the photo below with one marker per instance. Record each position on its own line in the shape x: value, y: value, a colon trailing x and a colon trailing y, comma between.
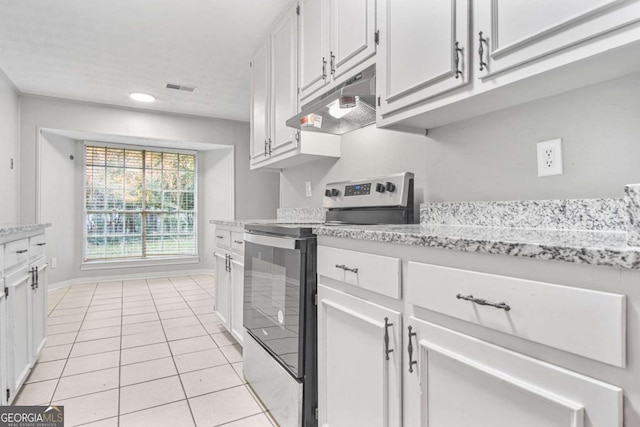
x: 301, y: 215
x: 578, y: 214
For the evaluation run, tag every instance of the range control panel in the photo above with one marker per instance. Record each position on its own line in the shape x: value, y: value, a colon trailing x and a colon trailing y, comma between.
x: 357, y: 189
x: 382, y: 191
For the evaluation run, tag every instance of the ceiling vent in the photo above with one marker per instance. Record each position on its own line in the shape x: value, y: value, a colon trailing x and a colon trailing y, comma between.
x: 180, y: 87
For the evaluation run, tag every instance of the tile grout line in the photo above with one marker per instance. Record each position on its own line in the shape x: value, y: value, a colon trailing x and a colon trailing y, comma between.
x: 193, y: 418
x: 120, y: 349
x: 72, y: 346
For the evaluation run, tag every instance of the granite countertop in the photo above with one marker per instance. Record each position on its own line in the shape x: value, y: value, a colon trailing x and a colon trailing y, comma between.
x: 8, y: 229
x: 239, y: 222
x: 605, y: 248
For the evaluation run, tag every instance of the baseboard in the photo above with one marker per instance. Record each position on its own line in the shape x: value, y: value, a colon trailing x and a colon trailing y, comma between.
x: 113, y: 278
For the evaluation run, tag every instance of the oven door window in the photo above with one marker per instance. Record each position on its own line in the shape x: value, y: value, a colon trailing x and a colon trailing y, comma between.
x: 272, y: 301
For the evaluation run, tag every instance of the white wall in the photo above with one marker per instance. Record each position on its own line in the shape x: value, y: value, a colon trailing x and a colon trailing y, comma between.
x: 493, y: 157
x: 9, y: 149
x: 256, y: 193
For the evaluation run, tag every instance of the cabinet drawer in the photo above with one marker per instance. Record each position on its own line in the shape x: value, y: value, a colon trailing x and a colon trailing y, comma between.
x: 37, y: 245
x: 237, y: 242
x: 15, y: 253
x: 375, y: 273
x: 584, y: 322
x: 223, y: 238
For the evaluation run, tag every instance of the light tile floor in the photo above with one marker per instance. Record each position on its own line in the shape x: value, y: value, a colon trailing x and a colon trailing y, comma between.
x: 142, y: 353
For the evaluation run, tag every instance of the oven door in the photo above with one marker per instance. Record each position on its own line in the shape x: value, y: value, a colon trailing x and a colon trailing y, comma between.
x: 274, y: 296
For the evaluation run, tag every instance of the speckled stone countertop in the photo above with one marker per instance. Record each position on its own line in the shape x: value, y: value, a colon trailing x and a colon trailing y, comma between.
x: 239, y: 223
x: 604, y: 248
x: 7, y: 230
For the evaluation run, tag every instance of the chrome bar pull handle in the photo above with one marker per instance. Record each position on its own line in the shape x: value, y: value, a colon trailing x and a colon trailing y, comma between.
x: 500, y: 305
x: 333, y: 64
x: 457, y: 52
x: 324, y: 68
x: 345, y: 268
x: 265, y: 147
x: 410, y: 350
x: 22, y: 251
x: 386, y: 337
x: 481, y: 42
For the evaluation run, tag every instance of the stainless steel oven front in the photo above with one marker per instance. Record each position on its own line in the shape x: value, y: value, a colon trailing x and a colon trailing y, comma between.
x: 279, y: 297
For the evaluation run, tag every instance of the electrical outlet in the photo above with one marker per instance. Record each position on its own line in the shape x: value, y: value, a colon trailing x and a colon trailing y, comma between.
x: 54, y: 263
x: 307, y: 187
x: 550, y: 157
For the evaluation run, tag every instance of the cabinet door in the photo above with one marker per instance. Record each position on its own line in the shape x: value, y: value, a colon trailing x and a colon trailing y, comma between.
x: 314, y: 46
x: 38, y: 293
x: 237, y: 299
x: 18, y: 328
x: 4, y: 364
x: 359, y: 382
x: 520, y: 33
x: 222, y: 288
x: 353, y: 28
x: 459, y: 381
x: 284, y: 82
x: 423, y: 52
x: 260, y: 105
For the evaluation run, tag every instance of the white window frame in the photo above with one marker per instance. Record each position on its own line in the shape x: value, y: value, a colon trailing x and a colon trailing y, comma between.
x: 160, y: 260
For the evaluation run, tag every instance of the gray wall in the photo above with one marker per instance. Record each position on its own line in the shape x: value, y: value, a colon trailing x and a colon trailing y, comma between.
x: 256, y: 193
x: 493, y: 157
x: 9, y: 149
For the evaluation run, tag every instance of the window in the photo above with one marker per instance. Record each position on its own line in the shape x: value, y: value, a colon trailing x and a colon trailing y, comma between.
x: 139, y: 203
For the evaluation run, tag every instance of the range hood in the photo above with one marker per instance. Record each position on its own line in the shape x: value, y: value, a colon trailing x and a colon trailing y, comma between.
x: 350, y: 106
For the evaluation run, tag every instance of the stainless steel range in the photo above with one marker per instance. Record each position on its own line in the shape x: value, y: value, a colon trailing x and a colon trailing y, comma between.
x: 280, y: 350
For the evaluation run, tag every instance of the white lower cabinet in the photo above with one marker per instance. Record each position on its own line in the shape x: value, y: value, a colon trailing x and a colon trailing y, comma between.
x: 38, y: 293
x: 222, y: 287
x: 230, y: 292
x: 18, y: 329
x: 457, y: 381
x: 4, y: 364
x: 237, y: 295
x: 359, y: 362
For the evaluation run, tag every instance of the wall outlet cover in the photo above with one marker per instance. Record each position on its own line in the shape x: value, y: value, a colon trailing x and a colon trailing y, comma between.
x: 307, y: 188
x: 54, y: 263
x: 550, y: 157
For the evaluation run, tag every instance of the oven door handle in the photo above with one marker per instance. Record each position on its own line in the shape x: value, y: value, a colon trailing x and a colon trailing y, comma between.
x: 276, y: 242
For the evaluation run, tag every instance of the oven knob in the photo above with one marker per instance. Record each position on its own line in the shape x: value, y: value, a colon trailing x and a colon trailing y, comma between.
x: 334, y: 192
x: 327, y: 193
x: 380, y: 188
x: 391, y: 187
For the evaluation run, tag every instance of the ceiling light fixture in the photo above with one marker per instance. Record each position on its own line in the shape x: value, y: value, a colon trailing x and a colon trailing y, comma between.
x: 142, y: 97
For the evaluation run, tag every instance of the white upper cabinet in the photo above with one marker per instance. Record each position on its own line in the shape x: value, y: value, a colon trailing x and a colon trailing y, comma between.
x: 424, y: 50
x: 335, y: 37
x: 275, y: 76
x: 284, y: 88
x: 260, y: 105
x: 518, y: 51
x: 353, y: 29
x: 314, y: 46
x: 517, y: 33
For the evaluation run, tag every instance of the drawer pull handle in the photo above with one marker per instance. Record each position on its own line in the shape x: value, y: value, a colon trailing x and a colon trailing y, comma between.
x: 238, y: 242
x: 479, y: 301
x: 41, y: 244
x: 22, y: 251
x: 345, y: 268
x: 219, y: 237
x: 410, y: 350
x: 386, y: 337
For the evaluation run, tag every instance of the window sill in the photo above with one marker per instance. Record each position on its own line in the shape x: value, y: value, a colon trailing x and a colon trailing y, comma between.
x: 133, y: 263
